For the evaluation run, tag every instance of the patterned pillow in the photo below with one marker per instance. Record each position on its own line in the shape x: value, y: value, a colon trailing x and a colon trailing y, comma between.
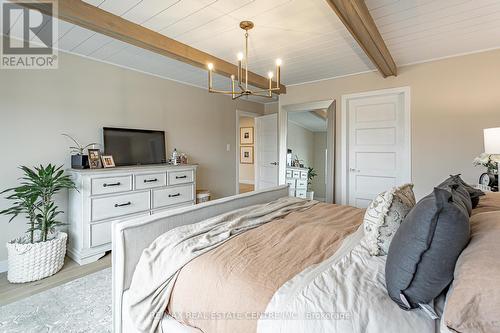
x: 384, y: 216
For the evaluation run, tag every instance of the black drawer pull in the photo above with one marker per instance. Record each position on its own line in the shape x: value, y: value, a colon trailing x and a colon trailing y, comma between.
x: 123, y: 204
x: 181, y: 177
x: 150, y: 180
x: 112, y: 184
x: 174, y: 195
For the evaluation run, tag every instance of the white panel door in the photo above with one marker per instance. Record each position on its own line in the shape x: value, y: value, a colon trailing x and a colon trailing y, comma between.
x: 266, y: 151
x: 378, y: 145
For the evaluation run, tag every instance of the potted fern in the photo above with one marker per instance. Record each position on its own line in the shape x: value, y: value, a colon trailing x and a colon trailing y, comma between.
x: 41, y: 252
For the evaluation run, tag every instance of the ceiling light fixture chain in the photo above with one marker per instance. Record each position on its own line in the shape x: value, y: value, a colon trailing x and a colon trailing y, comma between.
x: 243, y: 83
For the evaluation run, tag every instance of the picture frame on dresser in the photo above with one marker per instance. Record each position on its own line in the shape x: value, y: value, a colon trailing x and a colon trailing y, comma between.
x: 106, y: 196
x: 94, y: 158
x: 108, y: 161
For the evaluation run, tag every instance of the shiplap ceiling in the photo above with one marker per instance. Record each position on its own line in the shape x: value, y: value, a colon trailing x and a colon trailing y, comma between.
x: 306, y: 34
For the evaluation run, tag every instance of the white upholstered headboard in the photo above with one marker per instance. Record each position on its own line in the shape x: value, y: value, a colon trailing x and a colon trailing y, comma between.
x: 131, y: 237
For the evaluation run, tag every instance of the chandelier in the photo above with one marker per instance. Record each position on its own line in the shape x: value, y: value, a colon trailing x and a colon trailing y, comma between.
x: 242, y: 80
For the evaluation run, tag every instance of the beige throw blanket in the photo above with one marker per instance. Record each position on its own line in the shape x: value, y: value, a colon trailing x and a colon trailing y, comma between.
x: 227, y: 289
x: 159, y: 265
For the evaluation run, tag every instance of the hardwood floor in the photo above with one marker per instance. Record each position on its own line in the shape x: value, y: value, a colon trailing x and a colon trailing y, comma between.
x: 11, y: 292
x: 246, y: 188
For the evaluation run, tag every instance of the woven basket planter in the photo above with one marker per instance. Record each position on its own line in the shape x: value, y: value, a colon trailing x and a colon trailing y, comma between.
x: 32, y: 262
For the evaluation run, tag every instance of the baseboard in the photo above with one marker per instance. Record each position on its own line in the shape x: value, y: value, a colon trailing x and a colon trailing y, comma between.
x: 248, y: 182
x: 3, y: 266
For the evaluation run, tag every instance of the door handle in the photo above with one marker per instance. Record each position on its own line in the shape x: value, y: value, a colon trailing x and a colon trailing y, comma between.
x: 274, y: 163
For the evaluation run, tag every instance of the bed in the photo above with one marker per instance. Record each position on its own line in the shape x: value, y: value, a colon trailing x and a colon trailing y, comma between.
x: 302, y: 267
x: 131, y: 237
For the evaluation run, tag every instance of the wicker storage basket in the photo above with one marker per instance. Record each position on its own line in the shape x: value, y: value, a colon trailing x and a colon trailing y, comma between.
x: 202, y: 196
x: 32, y: 262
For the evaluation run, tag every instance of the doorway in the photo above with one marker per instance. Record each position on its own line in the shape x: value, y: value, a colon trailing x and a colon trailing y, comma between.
x: 376, y: 149
x: 307, y: 146
x: 245, y: 150
x: 256, y: 151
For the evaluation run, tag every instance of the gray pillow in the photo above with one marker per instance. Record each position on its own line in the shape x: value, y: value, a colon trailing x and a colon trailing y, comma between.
x: 474, y: 193
x: 460, y: 196
x: 425, y: 249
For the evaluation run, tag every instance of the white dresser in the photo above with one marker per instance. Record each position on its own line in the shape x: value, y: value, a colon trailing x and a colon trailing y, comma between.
x: 107, y: 195
x: 296, y: 179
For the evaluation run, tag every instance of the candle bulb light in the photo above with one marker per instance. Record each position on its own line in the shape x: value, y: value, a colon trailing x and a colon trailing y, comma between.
x: 240, y: 59
x: 210, y: 69
x: 278, y: 72
x: 270, y: 75
x: 232, y: 86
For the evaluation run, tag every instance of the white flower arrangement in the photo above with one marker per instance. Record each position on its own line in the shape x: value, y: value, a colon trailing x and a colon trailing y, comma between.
x: 489, y: 161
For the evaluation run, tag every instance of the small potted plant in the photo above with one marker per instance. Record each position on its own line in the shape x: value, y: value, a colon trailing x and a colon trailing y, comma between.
x: 310, y: 176
x: 41, y: 252
x: 79, y: 160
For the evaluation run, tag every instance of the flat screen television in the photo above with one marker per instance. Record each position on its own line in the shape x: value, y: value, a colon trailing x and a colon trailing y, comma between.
x: 134, y: 146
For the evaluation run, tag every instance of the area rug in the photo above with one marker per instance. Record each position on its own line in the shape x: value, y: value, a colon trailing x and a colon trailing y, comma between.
x: 79, y: 306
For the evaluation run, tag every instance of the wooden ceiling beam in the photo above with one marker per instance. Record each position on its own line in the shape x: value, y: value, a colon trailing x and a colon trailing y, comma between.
x: 358, y: 20
x: 321, y: 114
x: 90, y: 17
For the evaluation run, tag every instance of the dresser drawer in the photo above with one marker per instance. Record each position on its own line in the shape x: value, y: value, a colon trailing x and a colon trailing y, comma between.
x: 296, y: 174
x: 100, y: 234
x: 300, y: 194
x: 119, y: 205
x: 290, y: 183
x: 150, y: 181
x: 171, y: 196
x: 180, y: 177
x: 301, y: 184
x: 109, y: 185
x: 303, y: 175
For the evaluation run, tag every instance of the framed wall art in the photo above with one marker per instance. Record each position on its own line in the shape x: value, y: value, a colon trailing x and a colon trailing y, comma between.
x: 246, y: 155
x: 246, y: 135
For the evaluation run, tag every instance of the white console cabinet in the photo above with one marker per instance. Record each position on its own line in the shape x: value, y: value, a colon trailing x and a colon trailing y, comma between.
x: 296, y: 179
x: 117, y: 194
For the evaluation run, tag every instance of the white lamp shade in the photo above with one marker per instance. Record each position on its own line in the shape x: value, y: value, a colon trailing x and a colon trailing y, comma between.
x: 492, y: 140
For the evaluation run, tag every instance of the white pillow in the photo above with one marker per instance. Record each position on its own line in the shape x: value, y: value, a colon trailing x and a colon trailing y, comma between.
x: 384, y: 215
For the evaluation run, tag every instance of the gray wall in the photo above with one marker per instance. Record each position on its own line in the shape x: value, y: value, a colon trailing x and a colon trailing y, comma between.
x: 82, y: 96
x: 301, y: 141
